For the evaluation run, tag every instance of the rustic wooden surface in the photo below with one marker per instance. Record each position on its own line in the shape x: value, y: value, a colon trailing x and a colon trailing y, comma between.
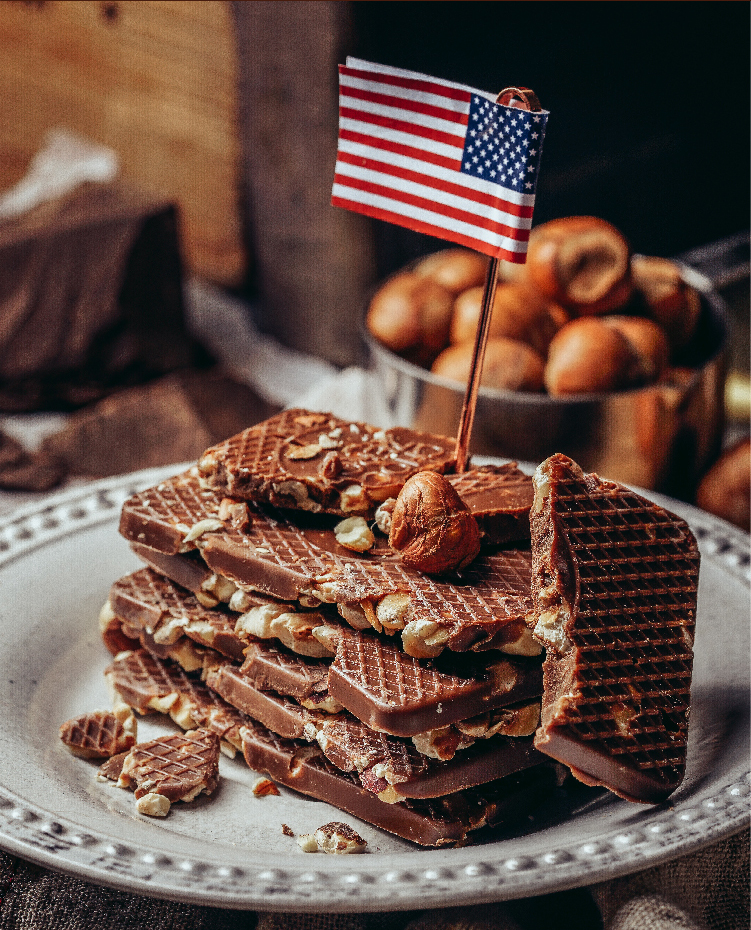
x: 313, y: 263
x: 154, y: 79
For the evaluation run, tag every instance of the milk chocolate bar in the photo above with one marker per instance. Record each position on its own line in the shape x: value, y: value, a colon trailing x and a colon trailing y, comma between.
x: 320, y: 463
x: 499, y: 498
x: 387, y: 765
x: 155, y: 603
x: 615, y: 587
x: 483, y: 606
x: 429, y: 822
x: 396, y: 693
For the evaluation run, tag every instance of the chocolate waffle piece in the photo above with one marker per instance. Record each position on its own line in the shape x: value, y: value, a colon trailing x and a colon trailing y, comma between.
x: 99, y: 734
x: 499, y: 498
x: 150, y: 601
x: 444, y: 821
x: 399, y: 694
x: 190, y: 572
x: 147, y: 683
x: 615, y: 587
x: 175, y: 767
x: 296, y: 556
x: 391, y: 767
x: 320, y: 463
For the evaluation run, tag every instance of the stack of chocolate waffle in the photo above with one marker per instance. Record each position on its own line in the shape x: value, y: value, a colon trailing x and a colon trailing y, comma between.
x: 408, y: 700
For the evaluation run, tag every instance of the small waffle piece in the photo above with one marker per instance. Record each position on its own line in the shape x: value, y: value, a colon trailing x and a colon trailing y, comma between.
x: 99, y: 735
x: 320, y: 463
x: 615, y: 587
x: 176, y: 767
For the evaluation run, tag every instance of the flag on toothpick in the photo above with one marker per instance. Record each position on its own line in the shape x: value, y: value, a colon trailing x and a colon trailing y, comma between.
x: 437, y: 157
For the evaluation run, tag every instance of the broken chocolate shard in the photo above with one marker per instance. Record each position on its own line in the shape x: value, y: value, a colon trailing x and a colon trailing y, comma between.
x: 444, y: 821
x: 98, y: 735
x: 499, y: 497
x: 282, y: 461
x: 179, y: 766
x: 615, y: 587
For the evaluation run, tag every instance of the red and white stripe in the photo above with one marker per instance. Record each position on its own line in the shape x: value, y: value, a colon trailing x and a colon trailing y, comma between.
x: 401, y: 139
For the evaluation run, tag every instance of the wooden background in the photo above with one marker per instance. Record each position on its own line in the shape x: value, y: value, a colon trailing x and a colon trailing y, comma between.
x: 154, y: 79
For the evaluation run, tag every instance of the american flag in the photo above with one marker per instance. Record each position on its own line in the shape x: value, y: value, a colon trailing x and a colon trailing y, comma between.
x: 438, y: 157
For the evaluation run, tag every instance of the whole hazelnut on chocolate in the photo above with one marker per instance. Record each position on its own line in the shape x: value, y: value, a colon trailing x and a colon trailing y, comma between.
x: 648, y: 340
x: 519, y: 313
x: 411, y: 315
x: 454, y: 269
x: 671, y: 302
x: 582, y: 263
x: 431, y: 526
x: 587, y: 356
x: 508, y: 365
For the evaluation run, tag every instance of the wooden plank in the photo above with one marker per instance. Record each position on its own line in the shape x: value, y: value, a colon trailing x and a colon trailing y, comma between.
x: 154, y: 79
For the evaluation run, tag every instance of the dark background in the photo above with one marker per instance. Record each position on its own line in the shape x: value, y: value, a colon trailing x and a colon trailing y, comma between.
x: 649, y: 104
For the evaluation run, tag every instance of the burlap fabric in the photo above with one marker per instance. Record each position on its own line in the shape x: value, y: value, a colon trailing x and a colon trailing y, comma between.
x: 708, y: 890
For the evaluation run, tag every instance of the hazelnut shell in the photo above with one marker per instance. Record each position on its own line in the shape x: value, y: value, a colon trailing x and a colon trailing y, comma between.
x: 431, y: 526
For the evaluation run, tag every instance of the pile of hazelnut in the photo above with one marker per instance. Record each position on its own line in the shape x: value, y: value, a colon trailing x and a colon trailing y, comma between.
x: 583, y: 315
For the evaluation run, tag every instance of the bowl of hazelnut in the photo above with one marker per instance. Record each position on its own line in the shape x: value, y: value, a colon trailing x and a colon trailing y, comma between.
x: 613, y: 358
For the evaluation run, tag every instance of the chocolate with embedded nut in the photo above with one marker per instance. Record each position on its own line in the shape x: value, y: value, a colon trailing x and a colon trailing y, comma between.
x: 320, y: 463
x: 615, y: 586
x: 295, y: 555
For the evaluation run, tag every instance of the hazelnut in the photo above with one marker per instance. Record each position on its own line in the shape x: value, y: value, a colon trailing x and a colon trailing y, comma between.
x: 508, y: 364
x: 354, y: 533
x: 587, y: 356
x: 411, y: 315
x: 432, y: 527
x: 671, y: 302
x: 726, y: 488
x: 580, y: 262
x: 519, y: 312
x: 454, y: 269
x: 648, y: 340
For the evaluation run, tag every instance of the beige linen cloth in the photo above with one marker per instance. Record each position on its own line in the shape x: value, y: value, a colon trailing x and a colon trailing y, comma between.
x: 707, y: 890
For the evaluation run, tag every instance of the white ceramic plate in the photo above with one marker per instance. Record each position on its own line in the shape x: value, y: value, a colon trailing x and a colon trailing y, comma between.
x: 57, y: 561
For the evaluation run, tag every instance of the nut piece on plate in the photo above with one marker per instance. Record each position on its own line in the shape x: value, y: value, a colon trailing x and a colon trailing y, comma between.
x: 726, y: 488
x: 411, y: 315
x: 432, y: 527
x: 587, y: 356
x: 671, y: 302
x: 519, y: 312
x: 508, y: 365
x: 263, y: 787
x: 335, y: 838
x: 454, y: 269
x: 582, y: 263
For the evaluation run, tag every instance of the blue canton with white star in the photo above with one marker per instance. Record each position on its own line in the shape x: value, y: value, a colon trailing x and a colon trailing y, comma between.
x: 503, y: 145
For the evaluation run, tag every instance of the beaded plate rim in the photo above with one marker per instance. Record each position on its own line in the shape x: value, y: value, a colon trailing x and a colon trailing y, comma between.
x: 423, y: 878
